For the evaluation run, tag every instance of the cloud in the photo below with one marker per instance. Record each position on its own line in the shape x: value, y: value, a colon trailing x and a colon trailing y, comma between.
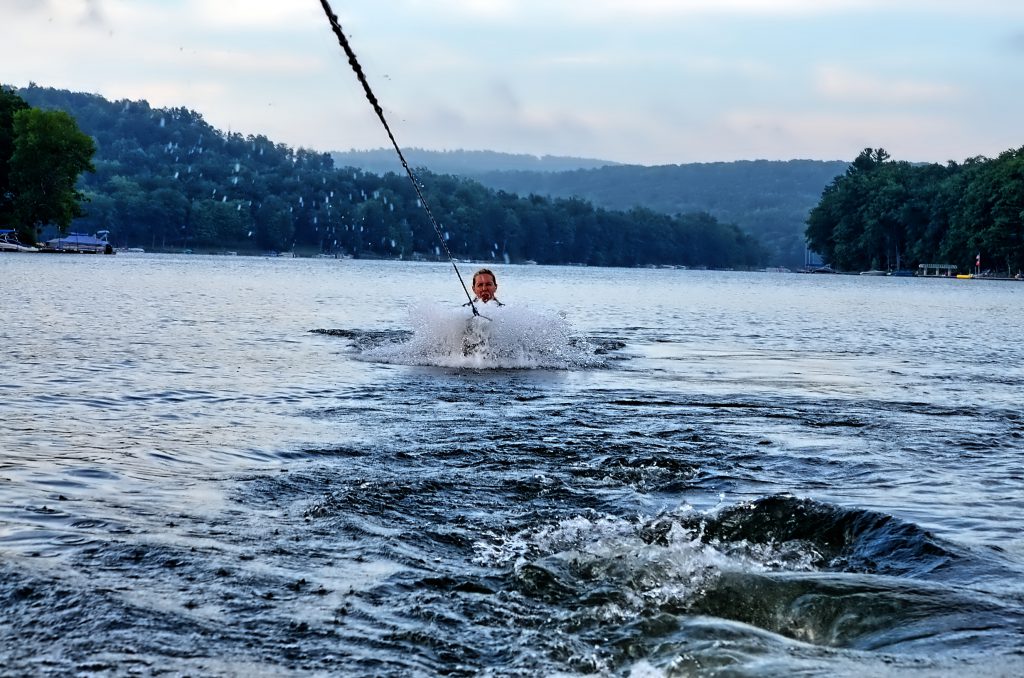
x: 250, y: 61
x: 584, y: 11
x: 745, y: 67
x: 504, y: 96
x: 82, y: 11
x: 829, y: 135
x: 845, y: 85
x: 649, y: 81
x: 94, y: 13
x: 578, y: 12
x: 28, y: 6
x: 250, y: 14
x: 747, y: 7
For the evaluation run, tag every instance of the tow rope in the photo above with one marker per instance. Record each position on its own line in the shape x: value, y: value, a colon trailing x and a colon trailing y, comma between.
x: 343, y: 41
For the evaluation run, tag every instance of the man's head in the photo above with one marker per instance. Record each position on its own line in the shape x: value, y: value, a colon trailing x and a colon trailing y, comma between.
x: 484, y: 285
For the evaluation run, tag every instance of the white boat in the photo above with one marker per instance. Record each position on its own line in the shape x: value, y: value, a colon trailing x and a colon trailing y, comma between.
x: 79, y: 243
x: 9, y: 242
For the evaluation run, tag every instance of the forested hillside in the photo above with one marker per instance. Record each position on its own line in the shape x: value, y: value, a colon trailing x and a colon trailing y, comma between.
x: 770, y: 200
x: 166, y: 179
x: 887, y: 214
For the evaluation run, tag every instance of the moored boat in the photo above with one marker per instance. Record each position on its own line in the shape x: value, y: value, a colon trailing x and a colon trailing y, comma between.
x: 79, y: 243
x: 9, y: 242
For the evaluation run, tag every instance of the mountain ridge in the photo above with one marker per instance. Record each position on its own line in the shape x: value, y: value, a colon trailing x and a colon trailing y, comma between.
x: 461, y: 162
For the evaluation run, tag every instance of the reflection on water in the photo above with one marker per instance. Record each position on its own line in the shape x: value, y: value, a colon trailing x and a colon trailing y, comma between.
x: 669, y: 472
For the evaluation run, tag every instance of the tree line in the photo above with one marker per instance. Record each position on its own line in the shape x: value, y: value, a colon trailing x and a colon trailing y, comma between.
x: 42, y: 155
x: 768, y: 199
x: 167, y: 180
x: 885, y: 214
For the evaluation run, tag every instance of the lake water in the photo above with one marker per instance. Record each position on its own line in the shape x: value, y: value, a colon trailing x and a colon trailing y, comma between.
x: 647, y: 472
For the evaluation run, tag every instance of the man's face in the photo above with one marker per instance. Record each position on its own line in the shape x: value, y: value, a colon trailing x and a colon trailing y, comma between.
x: 484, y: 287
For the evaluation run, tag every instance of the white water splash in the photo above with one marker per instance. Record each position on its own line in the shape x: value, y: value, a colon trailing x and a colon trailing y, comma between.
x: 675, y: 569
x: 506, y: 338
x: 613, y: 551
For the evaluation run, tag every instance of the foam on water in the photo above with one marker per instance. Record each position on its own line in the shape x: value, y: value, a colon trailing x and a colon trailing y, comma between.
x: 630, y: 556
x: 505, y: 338
x: 658, y: 576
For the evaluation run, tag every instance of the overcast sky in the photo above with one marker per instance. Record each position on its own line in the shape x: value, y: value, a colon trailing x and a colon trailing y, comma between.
x: 639, y: 81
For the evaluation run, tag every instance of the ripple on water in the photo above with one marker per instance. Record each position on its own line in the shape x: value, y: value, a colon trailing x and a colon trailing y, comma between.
x: 828, y: 493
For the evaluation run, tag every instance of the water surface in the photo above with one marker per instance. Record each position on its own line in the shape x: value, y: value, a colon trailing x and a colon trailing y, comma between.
x: 715, y: 474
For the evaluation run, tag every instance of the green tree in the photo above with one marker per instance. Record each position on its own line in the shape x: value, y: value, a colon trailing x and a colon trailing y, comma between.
x: 885, y: 213
x: 10, y: 104
x: 216, y: 223
x: 274, y: 227
x: 845, y: 228
x: 50, y: 153
x: 1004, y: 239
x: 989, y: 219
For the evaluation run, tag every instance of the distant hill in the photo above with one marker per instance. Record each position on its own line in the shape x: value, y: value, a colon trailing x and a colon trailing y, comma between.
x: 770, y: 200
x: 146, y: 150
x: 460, y: 162
x: 167, y: 180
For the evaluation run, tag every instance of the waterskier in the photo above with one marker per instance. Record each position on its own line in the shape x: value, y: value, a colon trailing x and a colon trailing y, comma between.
x: 484, y: 287
x: 477, y: 334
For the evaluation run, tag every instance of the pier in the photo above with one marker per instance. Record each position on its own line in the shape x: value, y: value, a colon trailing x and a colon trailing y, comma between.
x: 937, y: 270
